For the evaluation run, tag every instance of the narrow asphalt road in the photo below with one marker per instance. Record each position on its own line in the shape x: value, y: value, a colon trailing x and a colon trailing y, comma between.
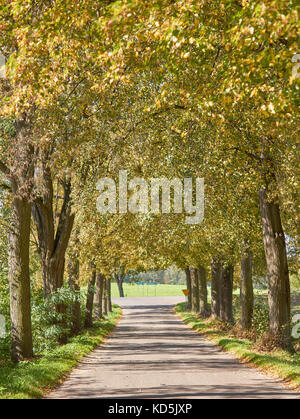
x: 151, y: 353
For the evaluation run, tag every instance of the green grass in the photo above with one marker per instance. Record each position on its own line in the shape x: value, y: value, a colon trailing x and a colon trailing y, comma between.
x: 33, y: 378
x: 163, y: 290
x: 277, y: 363
x: 160, y: 290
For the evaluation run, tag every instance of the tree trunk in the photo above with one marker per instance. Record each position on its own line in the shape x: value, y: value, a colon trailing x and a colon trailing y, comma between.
x: 98, y: 311
x: 120, y: 285
x: 109, y: 302
x: 88, y: 320
x: 188, y: 286
x: 73, y: 267
x: 119, y: 277
x: 216, y: 270
x: 19, y: 280
x: 246, y: 289
x: 195, y: 290
x: 20, y: 176
x: 203, y: 305
x: 105, y: 297
x: 226, y: 288
x: 52, y: 244
x: 277, y: 268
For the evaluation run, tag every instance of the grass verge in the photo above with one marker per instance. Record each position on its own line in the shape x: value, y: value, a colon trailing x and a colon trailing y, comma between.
x: 280, y: 364
x: 33, y: 378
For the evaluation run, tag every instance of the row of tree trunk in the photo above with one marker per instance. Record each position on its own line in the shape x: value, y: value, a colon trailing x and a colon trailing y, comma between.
x: 221, y: 290
x: 53, y: 241
x: 196, y: 284
x: 98, y: 302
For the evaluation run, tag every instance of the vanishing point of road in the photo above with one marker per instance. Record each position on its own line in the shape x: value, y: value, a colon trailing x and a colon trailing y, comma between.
x: 153, y: 354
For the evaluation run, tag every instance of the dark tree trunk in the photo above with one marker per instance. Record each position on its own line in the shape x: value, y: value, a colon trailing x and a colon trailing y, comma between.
x: 226, y: 288
x: 203, y: 304
x: 19, y: 280
x: 277, y: 268
x: 246, y: 289
x: 109, y: 302
x: 216, y: 270
x: 20, y: 176
x: 88, y: 320
x: 119, y: 277
x: 98, y: 311
x: 195, y: 290
x: 120, y: 286
x: 52, y: 244
x: 73, y: 267
x: 105, y: 297
x: 188, y: 287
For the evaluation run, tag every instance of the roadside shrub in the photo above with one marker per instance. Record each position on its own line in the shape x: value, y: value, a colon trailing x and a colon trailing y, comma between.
x: 47, y: 324
x: 268, y: 342
x: 241, y: 333
x: 236, y: 307
x: 4, y: 311
x: 260, y: 321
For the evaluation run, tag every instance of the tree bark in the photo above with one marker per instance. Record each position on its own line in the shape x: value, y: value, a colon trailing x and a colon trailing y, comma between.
x: 105, y: 297
x: 188, y: 286
x: 216, y: 270
x: 203, y: 304
x: 109, y: 302
x: 119, y: 277
x: 195, y: 290
x: 88, y: 320
x: 52, y: 244
x: 246, y: 289
x: 277, y: 268
x: 120, y: 286
x: 20, y: 176
x: 99, y: 297
x: 226, y: 288
x: 73, y: 267
x: 19, y: 280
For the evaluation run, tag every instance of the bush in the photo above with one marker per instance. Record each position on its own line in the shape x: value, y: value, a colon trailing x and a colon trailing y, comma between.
x: 4, y: 311
x: 236, y: 306
x: 260, y: 321
x: 47, y: 324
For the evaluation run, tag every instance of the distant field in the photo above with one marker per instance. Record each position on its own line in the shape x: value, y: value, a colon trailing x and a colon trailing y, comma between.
x: 165, y: 290
x: 160, y: 290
